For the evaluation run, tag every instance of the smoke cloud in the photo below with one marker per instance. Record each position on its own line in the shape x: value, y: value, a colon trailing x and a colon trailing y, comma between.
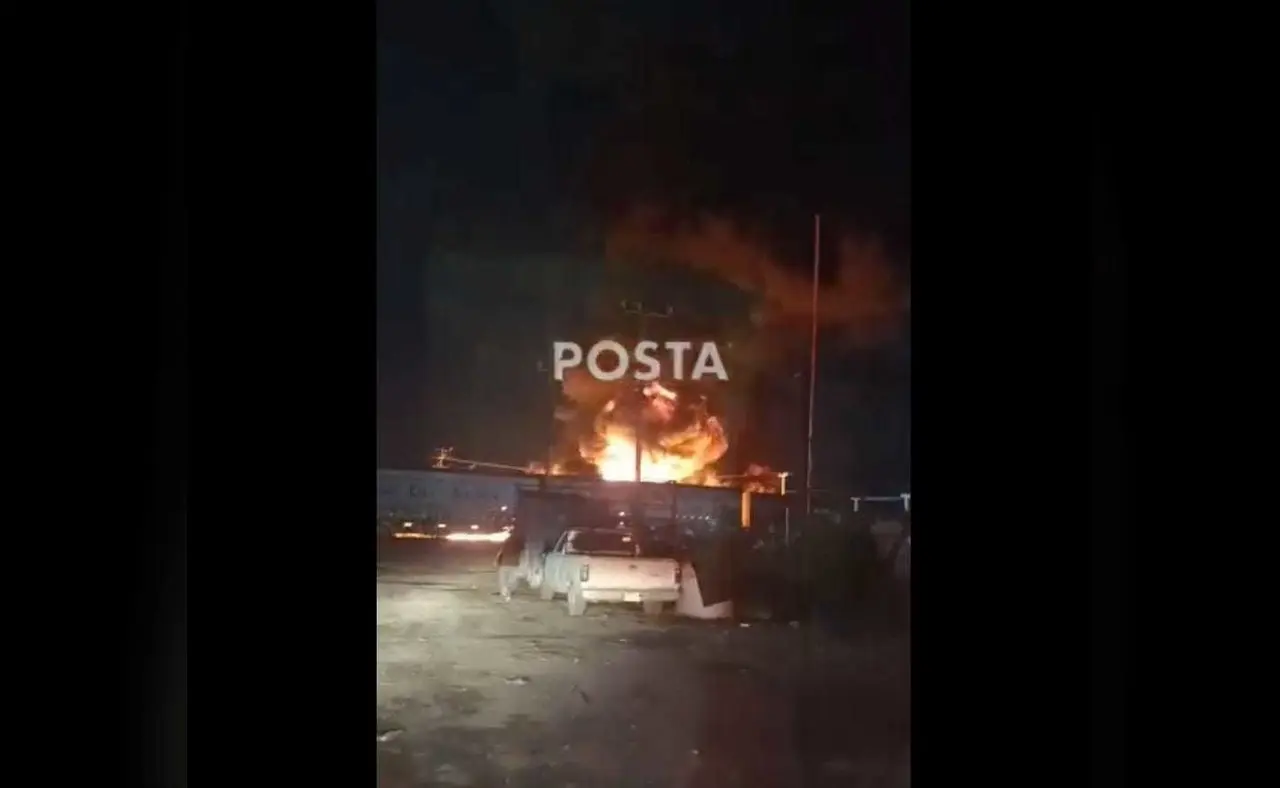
x: 862, y: 299
x: 865, y: 301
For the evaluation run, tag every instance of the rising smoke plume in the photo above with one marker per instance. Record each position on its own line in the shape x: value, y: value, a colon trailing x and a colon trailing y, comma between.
x: 865, y: 301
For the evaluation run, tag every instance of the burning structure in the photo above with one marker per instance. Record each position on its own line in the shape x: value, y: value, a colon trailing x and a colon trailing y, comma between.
x: 713, y: 282
x: 680, y: 440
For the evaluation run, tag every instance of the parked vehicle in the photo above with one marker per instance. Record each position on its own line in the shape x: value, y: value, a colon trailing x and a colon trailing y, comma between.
x: 589, y: 565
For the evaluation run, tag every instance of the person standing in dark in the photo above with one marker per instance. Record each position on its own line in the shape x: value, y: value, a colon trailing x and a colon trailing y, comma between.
x: 508, y: 563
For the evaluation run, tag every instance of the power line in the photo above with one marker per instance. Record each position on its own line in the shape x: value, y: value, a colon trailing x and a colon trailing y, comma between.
x: 444, y: 459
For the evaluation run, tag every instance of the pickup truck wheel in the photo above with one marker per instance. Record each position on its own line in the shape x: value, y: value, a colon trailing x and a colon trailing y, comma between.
x: 545, y: 592
x: 652, y: 607
x: 577, y: 605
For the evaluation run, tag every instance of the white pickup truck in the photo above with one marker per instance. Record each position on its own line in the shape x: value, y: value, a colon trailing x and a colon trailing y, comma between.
x: 605, y: 565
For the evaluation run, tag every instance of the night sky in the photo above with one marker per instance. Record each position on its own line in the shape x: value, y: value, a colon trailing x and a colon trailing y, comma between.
x: 515, y: 138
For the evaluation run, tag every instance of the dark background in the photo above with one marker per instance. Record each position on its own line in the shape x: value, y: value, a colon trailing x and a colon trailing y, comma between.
x: 148, y: 141
x: 514, y: 137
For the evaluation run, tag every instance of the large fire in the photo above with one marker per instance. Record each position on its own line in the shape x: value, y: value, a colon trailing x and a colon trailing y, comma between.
x: 680, y: 444
x: 680, y: 441
x: 677, y: 454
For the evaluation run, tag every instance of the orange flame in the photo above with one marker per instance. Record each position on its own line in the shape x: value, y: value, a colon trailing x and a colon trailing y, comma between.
x: 678, y: 454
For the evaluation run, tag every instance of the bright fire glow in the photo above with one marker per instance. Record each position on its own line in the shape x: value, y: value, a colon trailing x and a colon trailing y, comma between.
x: 500, y: 536
x: 617, y: 462
x: 679, y: 454
x: 682, y: 444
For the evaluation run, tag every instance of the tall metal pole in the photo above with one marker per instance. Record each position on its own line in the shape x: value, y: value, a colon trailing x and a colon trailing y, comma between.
x: 639, y: 310
x: 813, y: 365
x: 813, y: 380
x: 640, y: 412
x: 551, y: 441
x: 551, y: 444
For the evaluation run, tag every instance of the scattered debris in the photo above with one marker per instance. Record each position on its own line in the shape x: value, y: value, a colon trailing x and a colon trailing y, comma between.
x: 519, y: 680
x: 390, y: 735
x: 744, y: 625
x: 795, y: 624
x: 582, y: 693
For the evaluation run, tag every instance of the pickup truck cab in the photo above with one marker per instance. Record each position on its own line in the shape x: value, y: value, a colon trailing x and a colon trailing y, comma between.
x: 607, y: 565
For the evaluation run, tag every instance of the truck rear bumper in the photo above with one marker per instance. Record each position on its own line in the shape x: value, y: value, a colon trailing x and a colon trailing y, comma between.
x: 630, y: 595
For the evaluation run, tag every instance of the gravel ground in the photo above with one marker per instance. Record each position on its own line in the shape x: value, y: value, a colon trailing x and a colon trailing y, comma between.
x: 475, y: 692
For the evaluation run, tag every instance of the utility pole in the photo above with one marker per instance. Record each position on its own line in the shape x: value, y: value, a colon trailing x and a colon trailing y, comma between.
x: 555, y: 401
x: 638, y: 309
x: 813, y: 366
x: 813, y: 380
x: 786, y: 508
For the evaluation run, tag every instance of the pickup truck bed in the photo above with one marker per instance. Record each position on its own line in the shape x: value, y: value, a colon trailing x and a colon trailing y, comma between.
x: 630, y: 579
x: 585, y: 577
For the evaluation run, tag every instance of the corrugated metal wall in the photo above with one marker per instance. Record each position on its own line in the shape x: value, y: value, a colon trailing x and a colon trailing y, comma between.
x: 466, y: 497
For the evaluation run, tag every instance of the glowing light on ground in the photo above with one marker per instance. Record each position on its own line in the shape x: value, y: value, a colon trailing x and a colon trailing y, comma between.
x: 500, y: 536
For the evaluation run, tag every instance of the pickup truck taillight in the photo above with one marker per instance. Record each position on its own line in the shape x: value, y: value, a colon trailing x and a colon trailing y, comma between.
x: 584, y: 574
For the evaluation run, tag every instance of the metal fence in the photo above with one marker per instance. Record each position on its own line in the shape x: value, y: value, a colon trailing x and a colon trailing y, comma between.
x: 877, y: 525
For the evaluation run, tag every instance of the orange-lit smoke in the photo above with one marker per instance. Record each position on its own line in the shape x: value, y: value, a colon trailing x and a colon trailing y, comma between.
x: 866, y: 298
x: 865, y: 302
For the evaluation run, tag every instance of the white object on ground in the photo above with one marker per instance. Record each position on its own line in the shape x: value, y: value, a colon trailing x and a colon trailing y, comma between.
x: 689, y: 602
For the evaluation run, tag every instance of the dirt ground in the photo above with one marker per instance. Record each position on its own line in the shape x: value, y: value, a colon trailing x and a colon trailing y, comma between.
x: 475, y: 692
